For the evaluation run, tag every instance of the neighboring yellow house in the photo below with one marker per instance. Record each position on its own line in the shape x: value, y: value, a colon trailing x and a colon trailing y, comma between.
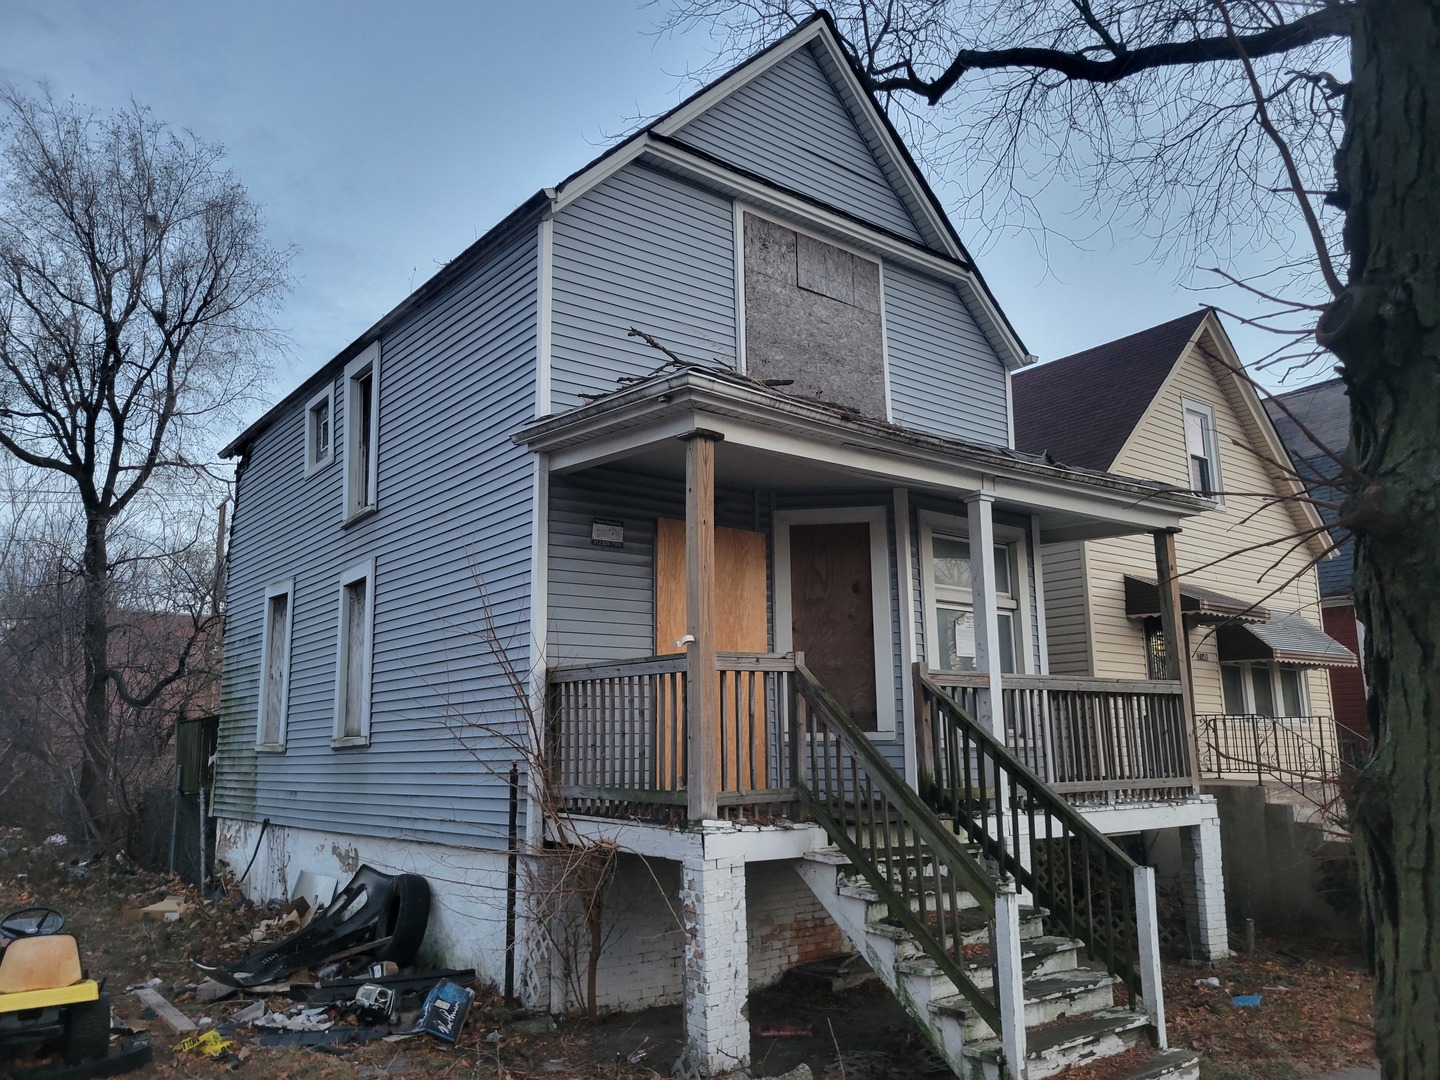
x: 1170, y: 404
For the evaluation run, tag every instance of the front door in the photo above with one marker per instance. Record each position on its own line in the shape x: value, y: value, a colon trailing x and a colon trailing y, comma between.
x: 832, y: 607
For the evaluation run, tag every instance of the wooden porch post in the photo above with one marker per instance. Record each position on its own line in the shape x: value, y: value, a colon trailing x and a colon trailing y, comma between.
x: 1177, y: 648
x: 702, y: 690
x: 987, y: 622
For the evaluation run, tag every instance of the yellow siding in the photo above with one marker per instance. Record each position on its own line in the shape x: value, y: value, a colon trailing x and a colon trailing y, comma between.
x: 1067, y: 630
x: 1156, y: 450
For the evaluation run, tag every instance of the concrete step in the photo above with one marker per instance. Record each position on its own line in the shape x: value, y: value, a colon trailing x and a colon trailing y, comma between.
x: 1056, y: 1047
x: 1039, y: 956
x: 1056, y: 996
x: 859, y: 889
x: 1164, y: 1065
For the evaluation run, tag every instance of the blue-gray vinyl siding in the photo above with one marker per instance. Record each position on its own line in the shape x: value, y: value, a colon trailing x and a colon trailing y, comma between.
x: 451, y: 541
x: 945, y: 378
x: 642, y: 250
x: 790, y: 126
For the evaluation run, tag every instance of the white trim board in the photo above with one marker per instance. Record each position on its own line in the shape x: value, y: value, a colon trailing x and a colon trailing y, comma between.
x: 882, y: 618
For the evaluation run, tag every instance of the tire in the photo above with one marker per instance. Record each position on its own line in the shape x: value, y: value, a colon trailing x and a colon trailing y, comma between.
x: 405, y: 919
x: 87, y: 1031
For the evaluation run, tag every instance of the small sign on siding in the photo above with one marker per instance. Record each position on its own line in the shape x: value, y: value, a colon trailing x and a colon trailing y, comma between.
x: 607, y: 532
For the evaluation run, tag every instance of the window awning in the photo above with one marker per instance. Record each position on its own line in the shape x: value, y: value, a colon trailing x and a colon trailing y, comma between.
x: 1142, y: 601
x: 1285, y: 639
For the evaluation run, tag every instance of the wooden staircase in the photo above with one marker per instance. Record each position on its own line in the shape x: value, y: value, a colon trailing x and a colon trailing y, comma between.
x: 929, y: 892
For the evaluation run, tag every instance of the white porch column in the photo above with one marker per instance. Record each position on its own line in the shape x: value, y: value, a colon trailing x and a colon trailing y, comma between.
x: 1203, y: 882
x: 987, y: 624
x: 717, y: 967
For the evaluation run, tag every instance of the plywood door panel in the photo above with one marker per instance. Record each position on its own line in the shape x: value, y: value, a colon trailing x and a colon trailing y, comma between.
x: 740, y: 626
x: 832, y: 612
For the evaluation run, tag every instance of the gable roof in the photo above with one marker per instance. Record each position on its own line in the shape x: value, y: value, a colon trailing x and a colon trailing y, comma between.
x: 1082, y: 408
x: 1323, y: 408
x: 940, y: 250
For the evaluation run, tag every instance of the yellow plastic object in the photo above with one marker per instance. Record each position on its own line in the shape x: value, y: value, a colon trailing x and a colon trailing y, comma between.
x: 210, y: 1044
x: 85, y: 990
x: 40, y: 963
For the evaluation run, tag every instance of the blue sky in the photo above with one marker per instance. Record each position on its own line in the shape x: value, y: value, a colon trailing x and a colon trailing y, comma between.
x: 382, y: 138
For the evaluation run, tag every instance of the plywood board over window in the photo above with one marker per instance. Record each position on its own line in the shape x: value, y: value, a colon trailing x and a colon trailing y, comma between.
x: 813, y: 315
x: 740, y: 626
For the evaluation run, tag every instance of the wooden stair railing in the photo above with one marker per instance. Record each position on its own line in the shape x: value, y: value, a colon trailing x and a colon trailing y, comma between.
x: 909, y: 857
x: 1079, y: 874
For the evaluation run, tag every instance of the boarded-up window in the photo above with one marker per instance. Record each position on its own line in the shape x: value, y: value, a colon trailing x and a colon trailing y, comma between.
x: 275, y: 673
x: 812, y: 316
x: 352, y: 691
x: 832, y: 611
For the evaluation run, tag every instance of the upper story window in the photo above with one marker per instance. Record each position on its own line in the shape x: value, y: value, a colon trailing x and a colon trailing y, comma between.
x: 275, y: 666
x: 1202, y: 449
x: 319, y: 439
x: 362, y: 431
x: 950, y: 605
x: 352, y: 675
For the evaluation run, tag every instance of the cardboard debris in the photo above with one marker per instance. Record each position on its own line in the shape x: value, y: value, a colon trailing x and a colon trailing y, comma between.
x: 295, y: 915
x: 170, y: 909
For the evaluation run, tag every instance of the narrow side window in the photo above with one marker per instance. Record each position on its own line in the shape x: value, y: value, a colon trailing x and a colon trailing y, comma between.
x: 352, y: 673
x: 1202, y: 450
x: 362, y: 429
x: 319, y: 438
x: 275, y: 666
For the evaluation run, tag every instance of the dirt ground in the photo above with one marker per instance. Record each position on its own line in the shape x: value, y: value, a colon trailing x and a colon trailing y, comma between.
x: 1314, y: 1010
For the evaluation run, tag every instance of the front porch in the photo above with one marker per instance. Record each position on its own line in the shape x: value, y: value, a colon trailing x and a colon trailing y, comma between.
x: 857, y: 621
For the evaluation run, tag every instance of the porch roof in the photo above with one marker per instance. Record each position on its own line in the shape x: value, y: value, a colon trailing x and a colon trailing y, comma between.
x: 773, y: 440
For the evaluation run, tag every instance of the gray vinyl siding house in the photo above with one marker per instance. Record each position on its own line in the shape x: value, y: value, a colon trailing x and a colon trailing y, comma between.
x: 480, y: 498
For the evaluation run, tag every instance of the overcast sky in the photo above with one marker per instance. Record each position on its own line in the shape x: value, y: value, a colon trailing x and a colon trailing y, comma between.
x: 383, y: 138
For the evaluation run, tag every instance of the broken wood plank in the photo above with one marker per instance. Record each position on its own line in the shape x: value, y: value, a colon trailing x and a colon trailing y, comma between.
x: 177, y: 1021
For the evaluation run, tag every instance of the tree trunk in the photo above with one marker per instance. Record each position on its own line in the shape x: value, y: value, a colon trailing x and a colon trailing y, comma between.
x: 1386, y: 330
x: 95, y: 639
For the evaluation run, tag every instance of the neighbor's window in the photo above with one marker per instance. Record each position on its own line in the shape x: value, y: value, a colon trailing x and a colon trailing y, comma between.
x: 1263, y: 690
x: 362, y: 431
x: 1200, y: 447
x: 352, y: 675
x: 275, y: 665
x: 319, y: 443
x: 953, y: 607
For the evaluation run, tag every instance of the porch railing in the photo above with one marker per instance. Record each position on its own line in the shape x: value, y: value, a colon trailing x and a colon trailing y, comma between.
x: 1034, y: 836
x: 1289, y: 749
x: 617, y: 736
x: 1094, y: 740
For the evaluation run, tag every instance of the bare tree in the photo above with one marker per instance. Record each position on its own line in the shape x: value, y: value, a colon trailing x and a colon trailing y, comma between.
x: 1314, y: 124
x: 136, y: 284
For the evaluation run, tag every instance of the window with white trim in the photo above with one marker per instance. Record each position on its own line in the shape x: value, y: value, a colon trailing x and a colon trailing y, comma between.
x: 950, y: 606
x: 1264, y: 690
x: 319, y: 424
x: 1202, y: 450
x: 275, y: 665
x: 362, y: 431
x: 352, y: 666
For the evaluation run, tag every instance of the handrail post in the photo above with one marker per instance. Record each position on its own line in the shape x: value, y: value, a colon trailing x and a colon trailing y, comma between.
x: 1010, y: 978
x: 702, y: 688
x: 1177, y: 648
x: 987, y: 621
x: 1147, y: 930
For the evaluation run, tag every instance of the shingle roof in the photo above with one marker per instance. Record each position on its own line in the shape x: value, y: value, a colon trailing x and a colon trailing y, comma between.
x: 1323, y: 408
x: 1081, y: 408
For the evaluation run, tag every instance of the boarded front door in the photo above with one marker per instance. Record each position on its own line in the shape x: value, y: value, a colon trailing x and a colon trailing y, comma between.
x: 832, y: 612
x: 740, y: 626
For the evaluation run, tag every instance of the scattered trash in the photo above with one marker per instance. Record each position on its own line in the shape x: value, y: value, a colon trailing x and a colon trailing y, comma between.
x: 494, y: 1038
x: 639, y: 1053
x: 210, y: 990
x: 174, y: 1019
x: 446, y: 1006
x: 249, y: 1014
x: 299, y: 1019
x: 381, y: 913
x: 58, y: 839
x: 556, y: 1065
x: 1211, y: 981
x: 337, y: 1036
x: 375, y: 1004
x: 210, y: 1044
x: 132, y: 987
x: 785, y: 1032
x: 315, y: 890
x: 170, y: 909
x: 396, y: 1066
x: 293, y: 916
x: 1246, y: 1001
x: 345, y: 989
